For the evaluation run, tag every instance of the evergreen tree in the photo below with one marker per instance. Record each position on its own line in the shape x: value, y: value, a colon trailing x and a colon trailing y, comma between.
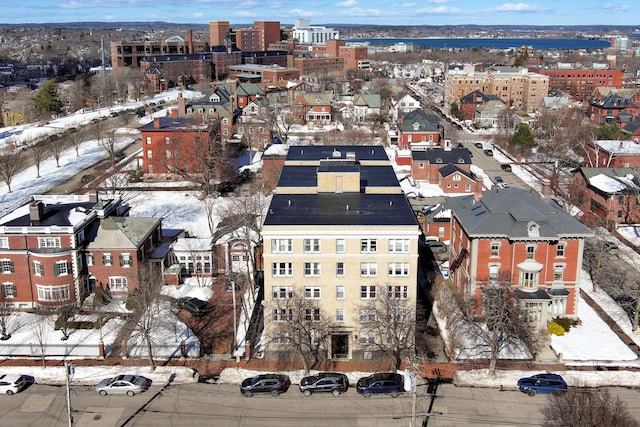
x: 611, y: 131
x: 46, y: 100
x: 523, y: 137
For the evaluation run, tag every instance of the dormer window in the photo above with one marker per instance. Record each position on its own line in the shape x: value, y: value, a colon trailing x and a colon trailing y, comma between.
x: 461, y: 160
x: 438, y: 160
x: 416, y: 126
x: 533, y: 229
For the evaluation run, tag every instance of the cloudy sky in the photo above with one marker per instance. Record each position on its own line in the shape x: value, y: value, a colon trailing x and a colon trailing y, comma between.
x: 403, y: 12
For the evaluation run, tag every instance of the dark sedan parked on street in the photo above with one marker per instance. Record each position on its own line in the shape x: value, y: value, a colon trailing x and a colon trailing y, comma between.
x: 542, y: 383
x: 265, y: 383
x: 383, y: 382
x: 333, y: 382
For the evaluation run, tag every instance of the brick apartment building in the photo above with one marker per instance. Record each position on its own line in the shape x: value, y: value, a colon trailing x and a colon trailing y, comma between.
x: 56, y: 250
x: 581, y: 82
x: 612, y: 154
x: 131, y: 53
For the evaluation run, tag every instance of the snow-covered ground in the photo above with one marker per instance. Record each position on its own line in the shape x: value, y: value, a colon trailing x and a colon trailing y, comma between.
x: 591, y: 343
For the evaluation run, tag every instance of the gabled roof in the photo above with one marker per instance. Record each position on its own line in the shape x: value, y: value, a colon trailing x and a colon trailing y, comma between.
x: 418, y: 121
x: 450, y: 169
x: 441, y: 156
x: 249, y: 89
x: 314, y: 98
x: 371, y: 100
x: 613, y: 101
x: 471, y: 98
x: 612, y: 181
x: 123, y: 232
x: 632, y: 127
x: 510, y: 212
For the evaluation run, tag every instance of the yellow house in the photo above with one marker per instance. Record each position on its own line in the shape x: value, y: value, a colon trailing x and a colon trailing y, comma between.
x: 339, y: 235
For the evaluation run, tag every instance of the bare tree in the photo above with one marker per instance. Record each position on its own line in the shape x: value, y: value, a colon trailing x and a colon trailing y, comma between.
x: 144, y: 301
x: 501, y: 327
x: 10, y: 164
x: 109, y: 145
x: 38, y: 154
x: 595, y: 260
x: 390, y: 320
x: 76, y: 141
x: 7, y: 320
x: 55, y: 146
x: 41, y: 330
x: 303, y: 326
x: 64, y: 321
x: 587, y: 408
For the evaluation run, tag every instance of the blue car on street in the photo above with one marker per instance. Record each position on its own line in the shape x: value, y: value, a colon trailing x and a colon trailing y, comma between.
x: 542, y: 383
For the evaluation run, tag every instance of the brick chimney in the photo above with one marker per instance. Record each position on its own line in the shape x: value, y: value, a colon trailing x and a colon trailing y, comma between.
x: 36, y: 211
x: 190, y: 40
x: 156, y: 123
x: 182, y: 104
x: 174, y: 113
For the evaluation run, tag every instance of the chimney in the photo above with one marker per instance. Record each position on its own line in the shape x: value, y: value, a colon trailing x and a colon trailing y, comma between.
x: 93, y: 197
x: 156, y: 123
x: 174, y: 113
x: 190, y: 41
x: 546, y: 189
x: 36, y: 211
x: 182, y: 104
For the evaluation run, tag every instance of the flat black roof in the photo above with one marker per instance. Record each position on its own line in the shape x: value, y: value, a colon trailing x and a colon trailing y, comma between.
x: 305, y: 176
x: 340, y: 209
x: 321, y: 152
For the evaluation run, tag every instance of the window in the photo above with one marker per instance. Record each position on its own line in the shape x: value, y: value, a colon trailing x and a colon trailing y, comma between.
x: 440, y: 231
x: 118, y: 284
x: 560, y: 247
x: 528, y: 280
x: 9, y: 290
x: 148, y: 140
x: 494, y: 271
x: 340, y: 246
x: 149, y: 154
x: 61, y: 268
x: 367, y: 337
x: 312, y: 292
x: 558, y: 273
x: 368, y: 269
x: 398, y: 269
x: 339, y: 314
x: 281, y: 246
x: 495, y: 249
x: 399, y: 246
x: 368, y: 245
x: 311, y: 246
x: 167, y: 154
x: 339, y: 268
x: 167, y: 140
x: 6, y: 266
x: 282, y: 314
x: 282, y: 292
x: 339, y: 292
x: 53, y: 293
x: 4, y: 242
x: 531, y: 252
x: 49, y: 242
x: 126, y: 260
x: 367, y: 315
x: 38, y: 268
x: 282, y: 269
x: 367, y: 292
x: 312, y: 269
x: 533, y: 311
x: 398, y: 291
x: 89, y: 259
x: 312, y: 314
x: 107, y: 259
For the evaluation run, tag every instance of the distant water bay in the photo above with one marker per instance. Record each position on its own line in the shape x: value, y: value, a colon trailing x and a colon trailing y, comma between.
x: 495, y: 43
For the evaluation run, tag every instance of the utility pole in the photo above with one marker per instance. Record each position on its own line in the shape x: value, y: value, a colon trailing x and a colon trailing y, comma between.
x: 69, y: 369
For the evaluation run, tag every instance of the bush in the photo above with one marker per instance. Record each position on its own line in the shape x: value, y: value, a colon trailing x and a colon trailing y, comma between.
x: 565, y: 322
x: 555, y: 329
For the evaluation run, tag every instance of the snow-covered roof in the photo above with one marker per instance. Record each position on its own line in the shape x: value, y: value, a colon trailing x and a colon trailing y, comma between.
x: 606, y: 184
x: 619, y: 146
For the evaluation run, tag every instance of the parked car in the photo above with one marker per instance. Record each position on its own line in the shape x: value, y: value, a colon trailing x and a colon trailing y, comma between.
x: 478, y: 144
x: 333, y: 382
x: 195, y: 306
x: 382, y: 382
x: 12, y: 383
x: 500, y: 182
x: 265, y: 383
x: 542, y: 383
x: 123, y: 384
x: 610, y: 246
x: 505, y: 167
x: 436, y: 246
x: 488, y: 151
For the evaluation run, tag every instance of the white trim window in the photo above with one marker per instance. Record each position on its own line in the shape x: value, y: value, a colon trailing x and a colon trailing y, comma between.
x: 340, y: 292
x: 53, y: 293
x: 560, y: 250
x: 368, y: 246
x: 61, y: 268
x: 368, y: 269
x: 282, y: 292
x: 282, y: 338
x: 126, y: 260
x: 368, y: 315
x: 9, y: 290
x: 340, y: 269
x: 312, y: 314
x: 340, y: 246
x: 340, y: 315
x: 531, y: 252
x: 282, y: 314
x: 6, y: 266
x: 312, y: 292
x: 312, y: 269
x: 107, y: 259
x: 118, y: 284
x: 282, y: 269
x: 4, y: 243
x: 495, y: 249
x: 311, y: 246
x: 558, y: 272
x: 368, y: 292
x: 90, y: 260
x: 38, y: 268
x: 367, y: 337
x: 398, y: 291
x: 49, y: 242
x: 494, y: 272
x: 399, y: 246
x: 398, y: 269
x: 281, y: 246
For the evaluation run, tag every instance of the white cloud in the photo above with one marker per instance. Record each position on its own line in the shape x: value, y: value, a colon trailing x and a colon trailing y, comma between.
x: 517, y: 7
x: 616, y: 8
x: 304, y: 13
x: 440, y: 10
x: 347, y: 3
x: 408, y: 5
x: 438, y: 1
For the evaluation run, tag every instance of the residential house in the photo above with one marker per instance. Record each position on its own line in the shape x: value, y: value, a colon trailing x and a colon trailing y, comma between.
x: 403, y: 103
x: 487, y: 115
x: 449, y: 168
x: 607, y: 104
x: 472, y: 101
x: 514, y: 236
x: 195, y: 256
x: 339, y: 233
x: 313, y: 108
x: 253, y: 126
x: 612, y: 154
x: 633, y: 130
x: 607, y: 196
x: 419, y: 127
x: 56, y: 250
x: 237, y: 246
